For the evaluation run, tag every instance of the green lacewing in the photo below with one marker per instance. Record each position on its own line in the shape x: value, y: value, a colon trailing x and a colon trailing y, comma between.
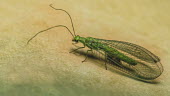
x: 127, y: 57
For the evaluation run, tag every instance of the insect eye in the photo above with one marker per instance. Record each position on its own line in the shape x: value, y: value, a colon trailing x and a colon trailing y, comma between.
x: 75, y: 41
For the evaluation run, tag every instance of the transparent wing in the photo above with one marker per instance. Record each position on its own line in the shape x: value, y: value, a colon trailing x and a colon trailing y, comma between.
x: 133, y: 49
x: 148, y: 67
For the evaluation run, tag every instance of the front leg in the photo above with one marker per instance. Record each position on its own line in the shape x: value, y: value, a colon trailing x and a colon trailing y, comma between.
x: 77, y: 49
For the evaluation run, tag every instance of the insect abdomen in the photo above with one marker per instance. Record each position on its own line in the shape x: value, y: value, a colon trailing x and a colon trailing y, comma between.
x: 96, y: 45
x: 114, y: 53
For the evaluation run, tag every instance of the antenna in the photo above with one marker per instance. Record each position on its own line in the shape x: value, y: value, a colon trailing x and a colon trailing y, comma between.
x: 67, y: 14
x: 56, y: 25
x: 47, y: 30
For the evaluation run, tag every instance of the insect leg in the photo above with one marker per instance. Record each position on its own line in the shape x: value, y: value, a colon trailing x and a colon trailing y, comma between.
x: 86, y: 55
x: 75, y: 44
x: 77, y: 49
x: 105, y: 61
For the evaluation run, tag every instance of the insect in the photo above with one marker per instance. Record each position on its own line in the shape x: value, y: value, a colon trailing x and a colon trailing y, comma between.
x: 128, y: 57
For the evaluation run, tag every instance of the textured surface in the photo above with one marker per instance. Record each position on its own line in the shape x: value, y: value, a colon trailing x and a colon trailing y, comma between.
x: 45, y: 67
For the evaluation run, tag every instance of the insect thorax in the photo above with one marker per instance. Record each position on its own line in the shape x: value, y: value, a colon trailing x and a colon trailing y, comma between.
x: 90, y: 42
x: 93, y: 43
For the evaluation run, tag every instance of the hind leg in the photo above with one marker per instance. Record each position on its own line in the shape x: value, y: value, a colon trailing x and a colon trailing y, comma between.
x: 106, y: 61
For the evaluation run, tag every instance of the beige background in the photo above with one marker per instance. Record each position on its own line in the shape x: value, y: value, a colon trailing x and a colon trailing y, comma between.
x: 45, y: 67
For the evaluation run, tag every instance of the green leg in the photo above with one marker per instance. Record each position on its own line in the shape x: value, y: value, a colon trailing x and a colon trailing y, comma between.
x: 77, y: 49
x: 86, y: 55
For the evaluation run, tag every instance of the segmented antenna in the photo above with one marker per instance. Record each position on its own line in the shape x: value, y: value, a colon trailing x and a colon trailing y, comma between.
x: 68, y: 15
x: 56, y: 25
x: 49, y: 29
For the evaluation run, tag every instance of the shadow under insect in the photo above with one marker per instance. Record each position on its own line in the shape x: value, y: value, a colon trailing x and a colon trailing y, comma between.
x: 122, y: 69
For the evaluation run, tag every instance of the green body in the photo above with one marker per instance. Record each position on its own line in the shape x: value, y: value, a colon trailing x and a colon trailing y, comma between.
x: 94, y: 44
